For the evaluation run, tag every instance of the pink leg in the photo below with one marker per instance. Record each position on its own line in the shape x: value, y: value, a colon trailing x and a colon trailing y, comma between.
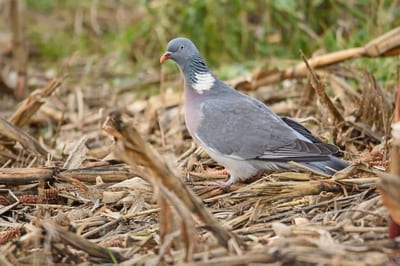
x: 221, y: 172
x: 224, y: 186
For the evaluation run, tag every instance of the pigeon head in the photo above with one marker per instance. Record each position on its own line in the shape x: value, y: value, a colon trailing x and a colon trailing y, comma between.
x: 180, y: 50
x: 192, y: 66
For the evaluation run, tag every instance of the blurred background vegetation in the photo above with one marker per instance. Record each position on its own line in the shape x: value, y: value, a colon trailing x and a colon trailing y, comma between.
x: 234, y: 36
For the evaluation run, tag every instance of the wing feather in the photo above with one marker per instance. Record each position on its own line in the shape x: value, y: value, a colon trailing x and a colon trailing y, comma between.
x: 242, y: 127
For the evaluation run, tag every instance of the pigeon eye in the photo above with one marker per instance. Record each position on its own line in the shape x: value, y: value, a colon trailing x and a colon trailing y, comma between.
x: 181, y: 47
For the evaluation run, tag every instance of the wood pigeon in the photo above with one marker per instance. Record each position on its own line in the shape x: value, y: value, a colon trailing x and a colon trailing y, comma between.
x: 240, y: 132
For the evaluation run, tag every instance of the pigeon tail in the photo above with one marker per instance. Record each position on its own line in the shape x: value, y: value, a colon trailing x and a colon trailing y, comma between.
x: 326, y: 166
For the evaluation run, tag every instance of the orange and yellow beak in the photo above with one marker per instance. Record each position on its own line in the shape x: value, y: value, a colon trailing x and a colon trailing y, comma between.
x: 165, y: 56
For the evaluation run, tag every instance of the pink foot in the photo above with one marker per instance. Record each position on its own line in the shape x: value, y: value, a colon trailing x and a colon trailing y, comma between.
x: 221, y: 172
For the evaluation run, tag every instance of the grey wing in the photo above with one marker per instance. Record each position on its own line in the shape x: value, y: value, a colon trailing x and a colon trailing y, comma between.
x: 244, y: 128
x: 300, y: 128
x: 307, y: 134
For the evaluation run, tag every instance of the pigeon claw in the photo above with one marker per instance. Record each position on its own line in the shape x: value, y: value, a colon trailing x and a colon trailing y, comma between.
x: 224, y: 186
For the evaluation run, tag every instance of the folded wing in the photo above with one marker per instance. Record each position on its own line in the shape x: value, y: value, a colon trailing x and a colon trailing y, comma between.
x: 244, y: 128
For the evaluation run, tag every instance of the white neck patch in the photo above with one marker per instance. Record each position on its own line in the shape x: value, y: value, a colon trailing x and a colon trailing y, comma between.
x: 204, y: 82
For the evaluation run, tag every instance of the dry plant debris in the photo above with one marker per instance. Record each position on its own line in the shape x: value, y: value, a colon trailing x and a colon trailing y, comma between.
x: 390, y: 183
x: 385, y: 45
x: 81, y: 194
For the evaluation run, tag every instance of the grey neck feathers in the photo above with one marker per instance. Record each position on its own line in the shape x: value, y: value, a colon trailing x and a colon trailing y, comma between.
x: 196, y: 66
